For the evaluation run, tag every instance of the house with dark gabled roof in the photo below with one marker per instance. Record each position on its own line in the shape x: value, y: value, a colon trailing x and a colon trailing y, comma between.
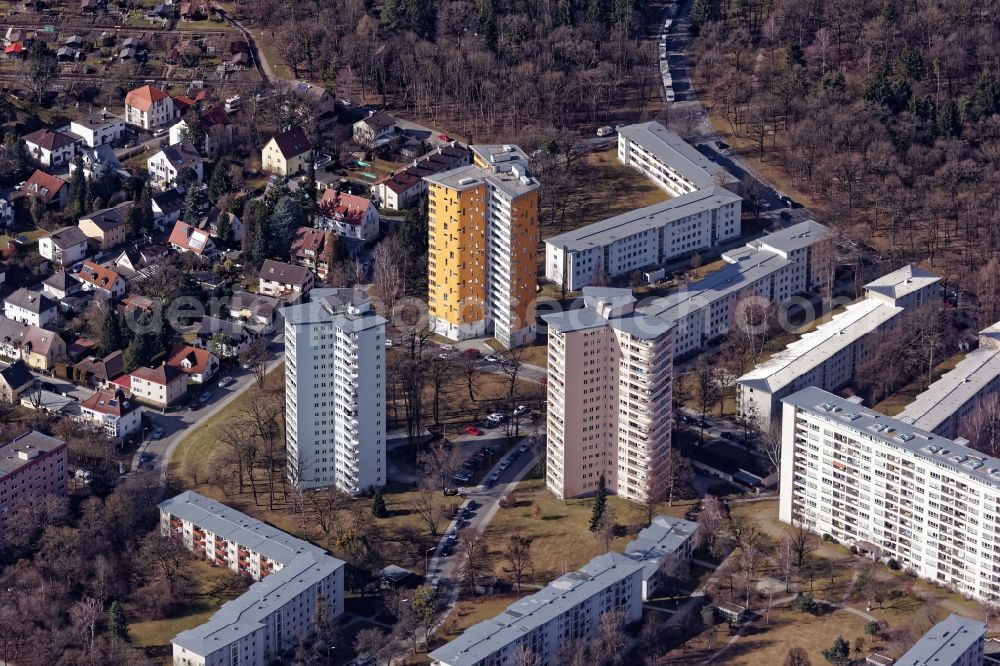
x: 29, y: 307
x: 285, y: 280
x: 233, y: 336
x: 286, y: 153
x: 313, y: 249
x: 167, y: 207
x: 374, y: 130
x: 15, y: 381
x: 167, y: 164
x: 60, y: 285
x: 50, y: 148
x: 101, y: 371
x: 63, y: 246
x: 107, y: 227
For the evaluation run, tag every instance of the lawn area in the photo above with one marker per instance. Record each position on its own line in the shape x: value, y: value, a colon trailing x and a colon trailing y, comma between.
x: 562, y: 539
x: 211, y: 587
x: 604, y: 188
x: 897, y: 402
x: 208, y: 25
x: 267, y: 52
x: 536, y: 354
x: 198, y: 453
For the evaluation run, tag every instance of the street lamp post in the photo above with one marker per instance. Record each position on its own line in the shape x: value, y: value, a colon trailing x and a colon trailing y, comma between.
x: 427, y: 560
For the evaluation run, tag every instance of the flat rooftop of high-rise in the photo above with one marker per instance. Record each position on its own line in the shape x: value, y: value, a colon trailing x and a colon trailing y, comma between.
x: 496, y: 154
x: 514, y: 182
x: 23, y: 450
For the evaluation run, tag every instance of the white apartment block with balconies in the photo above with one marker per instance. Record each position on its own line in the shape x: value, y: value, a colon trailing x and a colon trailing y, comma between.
x: 945, y: 405
x: 893, y: 490
x: 773, y: 268
x: 609, y: 396
x: 335, y: 392
x: 643, y: 238
x: 829, y: 356
x: 541, y: 625
x: 668, y: 160
x: 292, y: 576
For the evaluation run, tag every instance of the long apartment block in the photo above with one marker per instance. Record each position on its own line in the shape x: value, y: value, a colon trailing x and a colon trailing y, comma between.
x: 609, y: 396
x: 643, y: 237
x: 774, y: 268
x: 829, y: 356
x: 668, y: 160
x: 662, y: 546
x: 569, y: 608
x: 946, y: 403
x: 893, y: 490
x: 292, y: 575
x: 335, y: 392
x: 483, y: 228
x: 31, y: 466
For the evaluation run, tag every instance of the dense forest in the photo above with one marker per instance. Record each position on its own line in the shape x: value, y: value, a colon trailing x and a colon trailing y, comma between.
x: 488, y: 68
x: 883, y: 113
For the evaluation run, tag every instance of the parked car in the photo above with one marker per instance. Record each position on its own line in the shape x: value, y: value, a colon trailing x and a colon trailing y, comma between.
x: 444, y: 356
x: 520, y: 409
x: 471, y: 353
x: 388, y: 343
x: 725, y: 434
x: 607, y: 130
x: 492, y: 359
x: 450, y: 491
x: 497, y: 417
x: 204, y: 397
x: 226, y: 381
x: 473, y: 430
x: 448, y: 348
x: 722, y: 145
x: 523, y: 448
x: 443, y: 137
x: 488, y: 450
x: 157, y: 433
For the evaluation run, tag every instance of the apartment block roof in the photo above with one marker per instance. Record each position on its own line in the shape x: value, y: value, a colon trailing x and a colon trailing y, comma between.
x: 905, y: 437
x: 670, y: 148
x: 68, y: 237
x: 664, y: 537
x: 496, y: 154
x: 946, y: 642
x: 20, y: 451
x: 906, y: 280
x: 954, y: 389
x: 605, y: 306
x: 32, y: 301
x: 636, y: 221
x: 514, y: 183
x: 727, y: 280
x: 801, y: 356
x: 348, y: 309
x: 303, y: 565
x: 796, y: 237
x: 561, y: 595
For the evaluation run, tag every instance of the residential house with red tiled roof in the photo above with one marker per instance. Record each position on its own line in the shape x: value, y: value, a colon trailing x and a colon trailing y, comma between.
x: 285, y: 280
x: 200, y: 365
x: 149, y: 107
x: 185, y: 238
x: 113, y: 411
x: 101, y: 280
x: 313, y: 249
x: 160, y: 387
x: 52, y: 191
x: 286, y: 153
x: 348, y: 215
x: 50, y: 148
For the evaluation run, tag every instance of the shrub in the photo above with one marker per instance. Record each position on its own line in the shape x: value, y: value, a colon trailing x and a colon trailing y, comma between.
x: 854, y: 550
x: 873, y: 627
x: 893, y: 564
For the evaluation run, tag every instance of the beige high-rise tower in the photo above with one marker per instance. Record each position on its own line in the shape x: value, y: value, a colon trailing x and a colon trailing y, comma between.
x: 609, y: 396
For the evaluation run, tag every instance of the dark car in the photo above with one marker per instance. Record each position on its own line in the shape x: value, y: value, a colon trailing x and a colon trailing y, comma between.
x: 722, y: 145
x: 785, y: 215
x: 725, y: 434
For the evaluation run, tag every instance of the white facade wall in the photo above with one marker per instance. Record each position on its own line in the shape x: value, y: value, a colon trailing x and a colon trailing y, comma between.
x: 50, y: 158
x: 96, y: 136
x: 335, y: 401
x: 160, y: 113
x: 25, y: 316
x: 112, y: 425
x: 49, y: 250
x: 923, y: 500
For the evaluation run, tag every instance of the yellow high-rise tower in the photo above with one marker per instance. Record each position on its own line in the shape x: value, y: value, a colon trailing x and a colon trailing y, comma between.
x: 482, y: 269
